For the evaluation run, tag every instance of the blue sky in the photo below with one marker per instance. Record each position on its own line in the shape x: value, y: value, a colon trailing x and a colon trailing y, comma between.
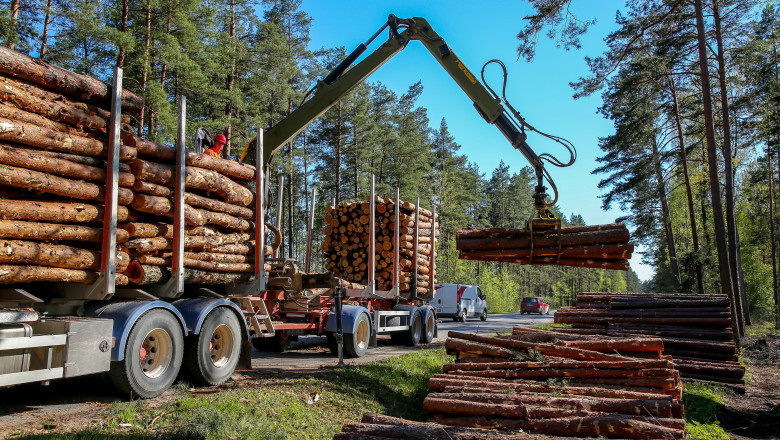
x: 478, y: 32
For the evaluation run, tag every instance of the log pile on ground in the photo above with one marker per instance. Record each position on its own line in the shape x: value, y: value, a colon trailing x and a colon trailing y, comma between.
x: 346, y: 250
x: 598, y: 246
x: 54, y: 145
x: 696, y: 329
x: 540, y: 384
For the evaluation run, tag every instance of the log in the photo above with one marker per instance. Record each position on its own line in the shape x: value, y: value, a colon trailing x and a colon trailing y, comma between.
x: 10, y: 274
x: 56, y: 211
x: 238, y: 170
x: 40, y: 161
x: 693, y: 322
x: 459, y: 385
x: 17, y: 65
x: 53, y: 232
x: 196, y: 178
x: 428, y: 431
x: 215, y: 205
x: 547, y: 349
x: 47, y: 183
x: 593, y: 263
x: 454, y: 346
x: 53, y: 106
x: 45, y: 254
x: 16, y: 114
x: 470, y: 233
x: 146, y: 274
x: 152, y: 189
x: 499, y: 364
x: 47, y: 139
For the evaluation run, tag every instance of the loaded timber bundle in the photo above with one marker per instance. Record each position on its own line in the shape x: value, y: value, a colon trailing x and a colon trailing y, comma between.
x: 54, y: 130
x: 695, y: 329
x: 597, y: 246
x: 346, y: 244
x: 556, y: 384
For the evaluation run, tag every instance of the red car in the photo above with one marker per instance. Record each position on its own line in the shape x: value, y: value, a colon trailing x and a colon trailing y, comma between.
x: 534, y: 304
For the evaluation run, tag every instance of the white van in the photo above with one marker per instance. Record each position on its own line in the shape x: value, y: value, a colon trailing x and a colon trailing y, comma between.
x: 459, y: 301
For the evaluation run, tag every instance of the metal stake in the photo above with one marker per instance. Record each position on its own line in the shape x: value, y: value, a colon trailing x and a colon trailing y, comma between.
x: 311, y: 229
x: 339, y: 328
x: 396, y: 252
x: 372, y: 238
x: 260, y: 213
x: 279, y: 207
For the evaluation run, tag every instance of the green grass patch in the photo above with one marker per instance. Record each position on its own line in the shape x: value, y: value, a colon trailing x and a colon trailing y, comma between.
x: 761, y: 329
x: 312, y: 407
x: 552, y: 326
x: 701, y: 404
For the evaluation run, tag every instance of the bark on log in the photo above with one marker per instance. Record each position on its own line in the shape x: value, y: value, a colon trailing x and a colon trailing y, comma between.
x: 152, y: 189
x: 47, y: 183
x: 428, y: 431
x: 146, y: 274
x: 196, y: 178
x: 215, y: 205
x: 53, y: 232
x: 164, y: 153
x: 40, y: 161
x: 56, y: 211
x: 52, y: 255
x: 469, y: 233
x: 16, y: 114
x: 192, y: 216
x: 10, y: 274
x: 47, y: 139
x: 17, y: 65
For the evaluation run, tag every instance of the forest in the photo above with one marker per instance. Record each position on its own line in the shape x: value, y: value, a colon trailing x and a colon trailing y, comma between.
x: 693, y: 158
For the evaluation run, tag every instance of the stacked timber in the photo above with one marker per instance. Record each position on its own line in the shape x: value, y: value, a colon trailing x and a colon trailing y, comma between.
x: 597, y: 246
x: 54, y: 129
x: 695, y: 329
x: 346, y: 244
x: 544, y: 385
x: 219, y: 244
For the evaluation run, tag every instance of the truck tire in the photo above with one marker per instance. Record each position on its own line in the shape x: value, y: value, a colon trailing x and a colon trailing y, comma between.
x: 356, y: 344
x: 429, y: 328
x: 211, y: 356
x: 483, y: 316
x: 277, y: 343
x: 415, y: 329
x: 153, y: 356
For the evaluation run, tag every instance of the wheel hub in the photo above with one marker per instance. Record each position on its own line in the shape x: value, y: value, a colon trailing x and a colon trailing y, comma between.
x: 221, y: 346
x: 156, y: 353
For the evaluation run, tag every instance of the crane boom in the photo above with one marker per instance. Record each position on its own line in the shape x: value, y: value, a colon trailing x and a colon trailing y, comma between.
x: 341, y: 81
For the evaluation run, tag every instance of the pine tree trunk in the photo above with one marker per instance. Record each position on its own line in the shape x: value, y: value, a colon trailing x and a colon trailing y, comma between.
x: 231, y: 79
x: 147, y: 45
x: 688, y: 190
x: 772, y: 224
x: 731, y: 223
x: 712, y: 160
x: 45, y: 36
x: 666, y: 217
x: 14, y: 20
x: 120, y: 61
x: 338, y: 154
x: 290, y: 207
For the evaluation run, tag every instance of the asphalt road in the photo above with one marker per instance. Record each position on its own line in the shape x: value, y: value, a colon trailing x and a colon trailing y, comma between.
x: 311, y: 353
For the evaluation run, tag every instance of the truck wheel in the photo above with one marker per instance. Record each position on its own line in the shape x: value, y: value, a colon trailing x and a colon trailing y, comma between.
x: 429, y: 329
x: 356, y: 344
x: 153, y: 355
x: 483, y: 316
x: 211, y: 356
x: 415, y: 330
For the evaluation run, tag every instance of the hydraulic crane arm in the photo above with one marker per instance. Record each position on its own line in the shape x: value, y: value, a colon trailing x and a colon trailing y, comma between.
x: 341, y: 81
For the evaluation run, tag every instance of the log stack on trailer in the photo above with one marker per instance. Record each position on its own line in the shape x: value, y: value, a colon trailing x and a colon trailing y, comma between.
x: 346, y: 244
x: 548, y: 383
x: 695, y: 329
x: 54, y: 146
x: 597, y: 246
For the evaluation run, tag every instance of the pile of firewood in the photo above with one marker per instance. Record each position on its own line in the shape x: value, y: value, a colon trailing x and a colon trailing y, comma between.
x: 598, y: 246
x: 696, y: 329
x: 219, y: 234
x: 535, y: 382
x: 346, y: 240
x: 53, y: 148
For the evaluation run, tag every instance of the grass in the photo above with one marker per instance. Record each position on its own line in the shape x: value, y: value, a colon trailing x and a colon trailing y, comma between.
x: 303, y: 408
x: 701, y: 403
x: 552, y: 326
x: 761, y: 329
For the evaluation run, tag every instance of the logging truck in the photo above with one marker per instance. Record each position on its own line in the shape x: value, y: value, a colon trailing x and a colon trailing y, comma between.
x: 175, y: 310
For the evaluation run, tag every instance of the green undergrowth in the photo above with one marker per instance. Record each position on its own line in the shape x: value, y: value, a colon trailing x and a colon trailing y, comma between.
x: 311, y: 407
x: 552, y: 326
x: 701, y: 404
x: 761, y: 329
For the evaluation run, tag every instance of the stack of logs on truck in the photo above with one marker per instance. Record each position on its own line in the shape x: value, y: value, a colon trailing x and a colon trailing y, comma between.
x: 347, y: 233
x: 89, y: 238
x: 695, y: 329
x: 545, y: 383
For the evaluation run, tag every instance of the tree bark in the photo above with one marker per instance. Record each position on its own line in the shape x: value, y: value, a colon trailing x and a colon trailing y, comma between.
x: 666, y: 219
x: 17, y: 65
x: 772, y: 234
x: 120, y: 62
x: 10, y: 274
x: 740, y: 296
x: 53, y: 232
x: 724, y: 267
x: 66, y: 212
x: 47, y: 183
x: 230, y: 81
x: 145, y: 73
x: 14, y: 22
x: 45, y: 36
x: 687, y: 182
